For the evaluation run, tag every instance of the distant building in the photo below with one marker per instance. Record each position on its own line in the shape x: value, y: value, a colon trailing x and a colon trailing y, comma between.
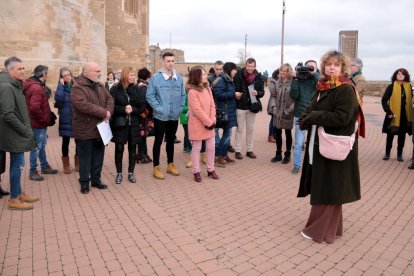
x: 348, y: 43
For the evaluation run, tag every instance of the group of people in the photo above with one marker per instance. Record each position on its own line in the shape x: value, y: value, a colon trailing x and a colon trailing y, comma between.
x: 306, y: 100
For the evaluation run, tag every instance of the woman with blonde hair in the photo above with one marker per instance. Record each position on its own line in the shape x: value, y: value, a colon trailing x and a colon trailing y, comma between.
x: 281, y: 106
x: 330, y: 181
x: 125, y: 122
x: 201, y: 120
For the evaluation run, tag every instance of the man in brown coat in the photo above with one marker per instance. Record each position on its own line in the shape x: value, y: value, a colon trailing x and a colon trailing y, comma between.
x: 91, y: 104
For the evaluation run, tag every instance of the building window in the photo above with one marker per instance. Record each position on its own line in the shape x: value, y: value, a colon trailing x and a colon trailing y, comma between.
x: 131, y: 7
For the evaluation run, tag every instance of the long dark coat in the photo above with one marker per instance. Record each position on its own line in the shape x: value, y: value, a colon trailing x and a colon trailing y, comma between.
x: 223, y: 93
x: 65, y: 112
x: 120, y: 135
x: 329, y: 181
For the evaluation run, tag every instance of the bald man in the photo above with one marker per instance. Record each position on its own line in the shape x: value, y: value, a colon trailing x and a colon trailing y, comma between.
x: 91, y: 104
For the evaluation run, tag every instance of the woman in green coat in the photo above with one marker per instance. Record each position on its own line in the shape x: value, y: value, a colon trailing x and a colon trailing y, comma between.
x: 330, y: 183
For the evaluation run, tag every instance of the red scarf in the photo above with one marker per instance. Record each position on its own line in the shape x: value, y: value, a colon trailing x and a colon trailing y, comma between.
x: 329, y: 82
x: 249, y: 77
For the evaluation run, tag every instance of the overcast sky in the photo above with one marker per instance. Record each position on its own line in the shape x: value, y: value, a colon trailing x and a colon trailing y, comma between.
x: 215, y: 30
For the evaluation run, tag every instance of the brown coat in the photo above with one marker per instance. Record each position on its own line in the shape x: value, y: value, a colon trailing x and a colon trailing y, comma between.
x: 280, y: 104
x: 90, y: 104
x: 329, y: 181
x: 202, y: 113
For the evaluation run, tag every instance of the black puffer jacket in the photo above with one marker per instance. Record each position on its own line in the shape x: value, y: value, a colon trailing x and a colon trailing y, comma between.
x: 122, y: 98
x: 241, y: 86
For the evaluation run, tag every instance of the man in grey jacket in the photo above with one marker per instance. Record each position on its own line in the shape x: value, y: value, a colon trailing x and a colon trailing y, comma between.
x: 16, y: 133
x: 166, y: 95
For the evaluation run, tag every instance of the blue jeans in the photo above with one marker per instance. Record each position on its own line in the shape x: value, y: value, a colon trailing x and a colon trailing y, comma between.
x: 222, y: 143
x: 299, y: 142
x: 40, y: 138
x: 91, y: 156
x: 271, y: 127
x: 16, y: 167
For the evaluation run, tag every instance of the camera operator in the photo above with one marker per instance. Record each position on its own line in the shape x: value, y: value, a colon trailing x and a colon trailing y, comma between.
x: 302, y: 90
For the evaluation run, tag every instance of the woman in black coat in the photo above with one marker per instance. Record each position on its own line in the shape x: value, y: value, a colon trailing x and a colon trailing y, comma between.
x: 330, y: 183
x: 396, y: 103
x: 125, y: 122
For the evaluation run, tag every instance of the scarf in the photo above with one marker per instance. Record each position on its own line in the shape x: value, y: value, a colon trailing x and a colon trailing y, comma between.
x: 249, y: 76
x: 395, y: 102
x: 329, y: 82
x: 356, y: 73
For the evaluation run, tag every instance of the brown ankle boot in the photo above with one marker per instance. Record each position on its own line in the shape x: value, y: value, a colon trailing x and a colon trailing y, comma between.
x: 66, y: 165
x: 76, y: 157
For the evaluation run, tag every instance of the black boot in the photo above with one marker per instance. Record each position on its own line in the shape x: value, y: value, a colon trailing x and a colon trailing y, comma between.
x: 287, y: 158
x: 277, y: 158
x: 84, y: 188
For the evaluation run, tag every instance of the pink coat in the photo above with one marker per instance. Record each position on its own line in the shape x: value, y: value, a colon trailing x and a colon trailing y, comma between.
x: 202, y: 112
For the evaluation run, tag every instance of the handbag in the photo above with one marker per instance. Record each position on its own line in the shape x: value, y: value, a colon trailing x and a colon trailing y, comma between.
x: 52, y: 120
x: 118, y: 121
x: 255, y: 107
x: 335, y: 147
x: 222, y: 117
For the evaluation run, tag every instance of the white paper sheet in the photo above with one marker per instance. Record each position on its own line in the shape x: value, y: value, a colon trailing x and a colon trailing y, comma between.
x: 105, y: 132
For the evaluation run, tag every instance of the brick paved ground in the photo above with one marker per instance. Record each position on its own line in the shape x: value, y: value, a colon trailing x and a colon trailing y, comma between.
x: 247, y: 223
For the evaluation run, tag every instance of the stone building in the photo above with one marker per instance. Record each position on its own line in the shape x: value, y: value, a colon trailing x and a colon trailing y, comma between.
x: 69, y: 33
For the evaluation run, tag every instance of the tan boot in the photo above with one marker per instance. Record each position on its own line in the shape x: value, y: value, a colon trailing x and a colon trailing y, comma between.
x: 76, y: 157
x: 221, y: 162
x: 203, y: 158
x: 28, y: 198
x: 189, y: 164
x: 172, y: 170
x: 157, y: 173
x: 66, y: 165
x: 17, y: 204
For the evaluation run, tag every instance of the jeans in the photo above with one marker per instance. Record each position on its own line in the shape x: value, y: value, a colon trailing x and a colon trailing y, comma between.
x: 187, y: 142
x: 91, y: 156
x: 40, y: 138
x: 222, y: 143
x: 299, y: 143
x: 271, y: 127
x: 16, y: 167
x: 169, y: 128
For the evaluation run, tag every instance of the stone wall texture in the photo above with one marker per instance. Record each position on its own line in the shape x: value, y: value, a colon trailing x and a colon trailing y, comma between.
x: 68, y: 33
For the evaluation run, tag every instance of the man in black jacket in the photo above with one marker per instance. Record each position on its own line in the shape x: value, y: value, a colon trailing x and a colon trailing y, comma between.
x: 250, y: 83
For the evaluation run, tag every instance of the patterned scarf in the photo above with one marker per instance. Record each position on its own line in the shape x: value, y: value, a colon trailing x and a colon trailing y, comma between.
x: 329, y: 82
x: 249, y: 77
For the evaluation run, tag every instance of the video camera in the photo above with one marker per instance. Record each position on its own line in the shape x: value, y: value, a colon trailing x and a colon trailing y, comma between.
x: 303, y: 72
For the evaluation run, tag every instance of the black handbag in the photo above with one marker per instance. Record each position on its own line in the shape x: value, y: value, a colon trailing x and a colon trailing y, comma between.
x: 118, y: 121
x: 255, y: 107
x: 53, y: 118
x: 222, y: 117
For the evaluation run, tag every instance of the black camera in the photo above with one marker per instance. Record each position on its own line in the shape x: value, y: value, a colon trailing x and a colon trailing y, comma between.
x: 303, y: 72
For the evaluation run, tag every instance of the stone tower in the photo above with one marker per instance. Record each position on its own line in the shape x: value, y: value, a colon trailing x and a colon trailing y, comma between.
x: 69, y: 33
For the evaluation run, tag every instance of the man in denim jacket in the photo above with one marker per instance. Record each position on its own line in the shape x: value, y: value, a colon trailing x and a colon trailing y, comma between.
x: 166, y: 96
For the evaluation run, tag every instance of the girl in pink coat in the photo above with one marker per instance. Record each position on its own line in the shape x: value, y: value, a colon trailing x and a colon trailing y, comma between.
x: 201, y: 120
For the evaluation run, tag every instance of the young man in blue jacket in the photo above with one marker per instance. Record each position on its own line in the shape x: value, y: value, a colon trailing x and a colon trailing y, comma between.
x: 166, y: 96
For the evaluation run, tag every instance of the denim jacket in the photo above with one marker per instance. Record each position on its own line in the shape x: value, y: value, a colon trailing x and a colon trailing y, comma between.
x: 166, y: 95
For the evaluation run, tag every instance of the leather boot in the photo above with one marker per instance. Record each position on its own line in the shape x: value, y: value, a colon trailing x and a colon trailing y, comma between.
x: 172, y: 170
x: 76, y: 158
x: 66, y: 165
x: 3, y: 192
x: 17, y: 204
x: 287, y: 158
x: 189, y: 164
x: 28, y: 198
x: 271, y: 139
x: 157, y: 173
x: 277, y: 158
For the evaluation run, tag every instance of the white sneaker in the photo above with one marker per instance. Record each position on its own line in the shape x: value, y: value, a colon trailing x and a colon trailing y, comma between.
x: 305, y: 236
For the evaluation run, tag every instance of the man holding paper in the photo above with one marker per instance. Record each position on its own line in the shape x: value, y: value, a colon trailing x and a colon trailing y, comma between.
x: 91, y: 104
x: 250, y: 84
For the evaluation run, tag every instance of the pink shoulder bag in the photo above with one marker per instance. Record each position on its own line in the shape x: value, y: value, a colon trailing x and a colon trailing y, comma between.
x: 335, y: 147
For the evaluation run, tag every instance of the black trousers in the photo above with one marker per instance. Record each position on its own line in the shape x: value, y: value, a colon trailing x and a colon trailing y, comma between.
x: 65, y: 146
x: 400, y: 144
x: 132, y: 154
x: 278, y: 137
x: 169, y: 129
x: 91, y: 156
x: 142, y: 147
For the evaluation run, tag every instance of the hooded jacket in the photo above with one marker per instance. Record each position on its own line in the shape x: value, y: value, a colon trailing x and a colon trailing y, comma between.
x: 16, y: 132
